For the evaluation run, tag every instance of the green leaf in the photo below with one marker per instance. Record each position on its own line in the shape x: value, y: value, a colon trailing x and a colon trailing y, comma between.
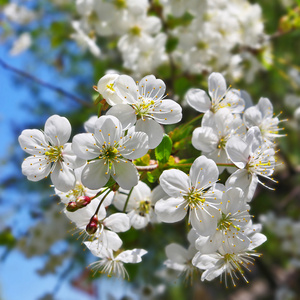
x: 153, y: 176
x: 164, y: 149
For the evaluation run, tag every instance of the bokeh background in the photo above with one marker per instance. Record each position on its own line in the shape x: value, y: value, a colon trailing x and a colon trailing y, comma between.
x: 51, y: 72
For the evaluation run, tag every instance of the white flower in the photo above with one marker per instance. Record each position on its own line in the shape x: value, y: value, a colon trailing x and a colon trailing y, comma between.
x: 145, y: 106
x: 140, y: 206
x: 89, y: 125
x: 232, y: 223
x: 253, y: 158
x: 78, y: 191
x: 19, y: 14
x: 220, y: 96
x: 228, y: 262
x: 191, y: 194
x: 108, y: 153
x: 106, y: 89
x: 146, y: 57
x: 261, y: 115
x: 212, y: 136
x: 117, y: 222
x: 84, y: 40
x: 22, y: 43
x: 50, y: 153
x: 139, y: 28
x: 111, y: 265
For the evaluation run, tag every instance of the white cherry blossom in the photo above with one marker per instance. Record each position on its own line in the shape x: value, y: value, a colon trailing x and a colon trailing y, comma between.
x: 140, y: 206
x: 219, y: 96
x: 253, y: 157
x: 212, y: 136
x: 108, y: 152
x: 261, y: 115
x: 232, y: 223
x: 145, y: 106
x: 114, y: 265
x: 194, y: 194
x: 228, y: 263
x: 50, y: 153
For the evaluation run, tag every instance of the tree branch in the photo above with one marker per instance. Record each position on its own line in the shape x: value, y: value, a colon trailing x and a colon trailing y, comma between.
x: 45, y: 84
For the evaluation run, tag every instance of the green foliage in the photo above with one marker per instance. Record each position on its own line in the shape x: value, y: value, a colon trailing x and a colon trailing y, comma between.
x: 163, y: 150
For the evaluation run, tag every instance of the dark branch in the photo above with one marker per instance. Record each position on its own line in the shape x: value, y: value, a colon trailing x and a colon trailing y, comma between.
x: 45, y: 84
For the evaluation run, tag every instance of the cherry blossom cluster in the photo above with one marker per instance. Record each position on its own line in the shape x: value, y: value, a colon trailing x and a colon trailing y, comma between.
x: 220, y: 214
x: 206, y: 41
x: 96, y: 174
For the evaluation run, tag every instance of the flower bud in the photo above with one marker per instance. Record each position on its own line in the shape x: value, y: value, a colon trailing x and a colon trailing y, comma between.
x: 72, y: 206
x: 83, y: 201
x: 92, y: 227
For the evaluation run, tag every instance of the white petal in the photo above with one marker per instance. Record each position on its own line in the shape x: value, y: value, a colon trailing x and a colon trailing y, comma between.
x: 252, y: 117
x: 266, y: 107
x: 63, y: 177
x: 204, y: 172
x: 151, y: 87
x: 33, y: 141
x: 70, y: 158
x: 205, y: 261
x: 106, y: 88
x: 157, y: 194
x: 126, y: 89
x: 36, y: 167
x: 118, y: 222
x: 89, y: 125
x: 237, y: 151
x: 58, y: 129
x: 152, y: 25
x: 134, y: 145
x: 167, y: 112
x: 245, y: 181
x: 125, y: 114
x: 170, y: 210
x: 126, y: 174
x: 198, y: 100
x: 137, y: 221
x: 253, y: 139
x: 175, y: 182
x: 109, y: 239
x: 177, y: 253
x: 207, y: 244
x: 234, y: 101
x: 205, y: 139
x: 84, y: 146
x: 93, y: 175
x: 131, y: 256
x: 216, y: 85
x: 108, y: 129
x: 154, y: 131
x: 204, y: 221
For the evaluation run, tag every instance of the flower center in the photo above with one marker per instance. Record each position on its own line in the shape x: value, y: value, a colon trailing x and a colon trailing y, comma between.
x: 194, y: 197
x: 143, y: 107
x: 78, y: 191
x: 120, y: 4
x: 54, y: 153
x: 225, y: 223
x: 144, y: 207
x: 109, y: 153
x: 135, y: 30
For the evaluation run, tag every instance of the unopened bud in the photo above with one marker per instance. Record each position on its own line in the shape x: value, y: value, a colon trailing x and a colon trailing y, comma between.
x: 83, y: 201
x: 72, y: 206
x: 92, y: 227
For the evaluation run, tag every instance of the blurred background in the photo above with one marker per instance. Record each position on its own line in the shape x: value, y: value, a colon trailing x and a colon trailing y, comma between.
x: 52, y: 53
